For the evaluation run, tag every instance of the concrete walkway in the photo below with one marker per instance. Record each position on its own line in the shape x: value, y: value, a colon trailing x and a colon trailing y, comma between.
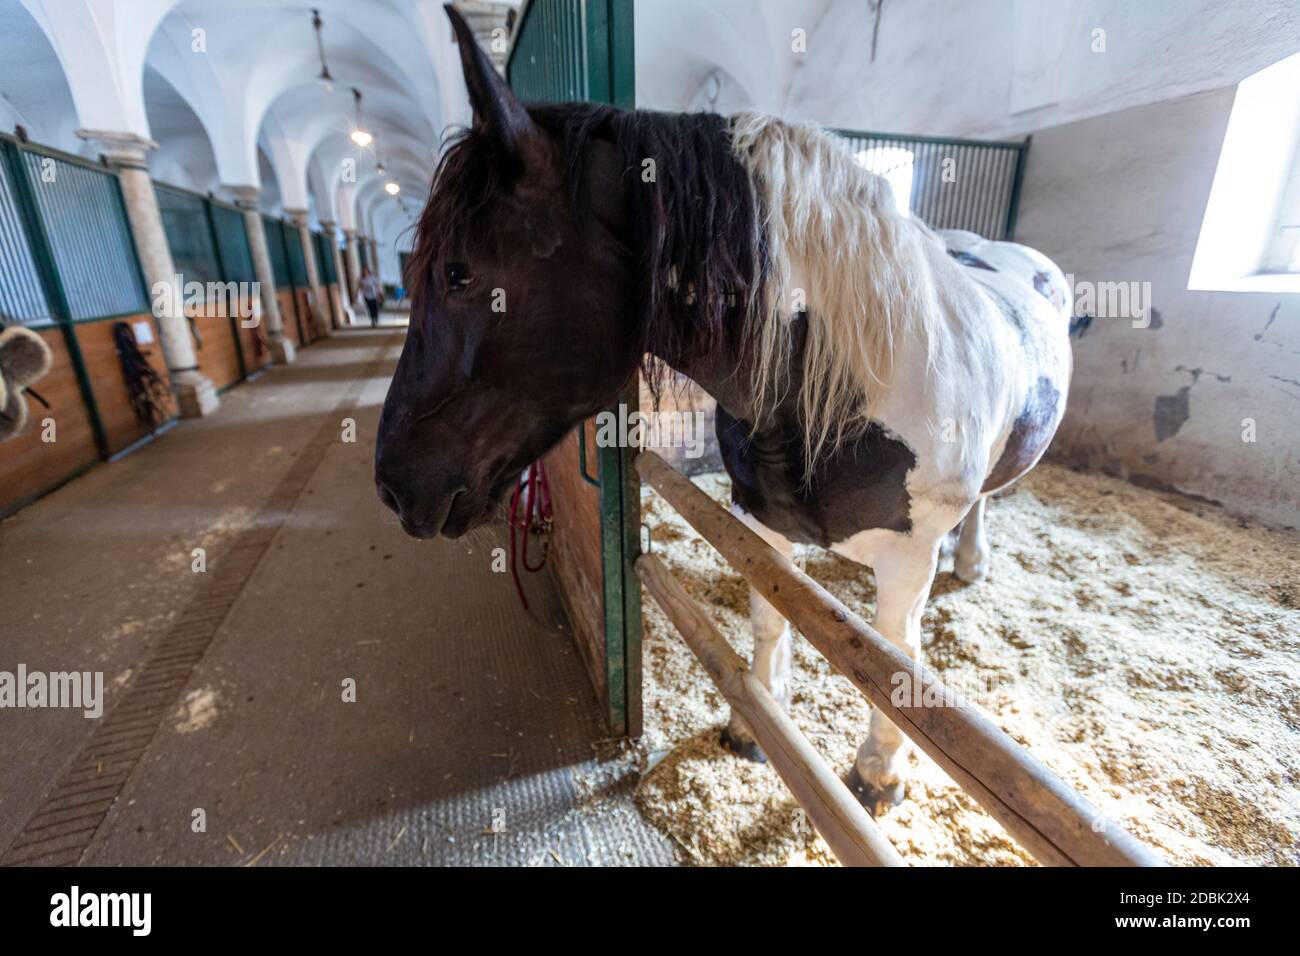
x: 227, y: 737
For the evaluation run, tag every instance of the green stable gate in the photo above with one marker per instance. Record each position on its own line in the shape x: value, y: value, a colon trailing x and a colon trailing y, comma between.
x: 566, y: 50
x: 67, y: 259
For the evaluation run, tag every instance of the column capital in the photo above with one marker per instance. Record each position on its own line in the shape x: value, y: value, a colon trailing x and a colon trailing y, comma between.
x: 351, y: 234
x: 246, y: 197
x: 121, y: 149
x: 329, y: 228
x: 297, y: 216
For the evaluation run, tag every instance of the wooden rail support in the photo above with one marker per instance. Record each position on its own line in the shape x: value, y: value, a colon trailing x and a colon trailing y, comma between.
x: 847, y: 828
x: 1035, y: 806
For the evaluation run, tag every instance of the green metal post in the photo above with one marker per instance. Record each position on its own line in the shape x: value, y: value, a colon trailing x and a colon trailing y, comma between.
x: 611, y: 79
x: 584, y: 49
x: 1013, y: 206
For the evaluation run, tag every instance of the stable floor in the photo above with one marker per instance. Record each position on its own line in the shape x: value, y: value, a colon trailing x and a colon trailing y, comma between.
x: 226, y: 737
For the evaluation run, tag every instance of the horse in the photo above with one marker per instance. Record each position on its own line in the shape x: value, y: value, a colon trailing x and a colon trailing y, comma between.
x: 875, y: 382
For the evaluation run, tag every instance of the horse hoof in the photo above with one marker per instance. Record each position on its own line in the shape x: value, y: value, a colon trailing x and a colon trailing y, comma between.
x: 748, y: 749
x: 972, y: 572
x: 877, y: 800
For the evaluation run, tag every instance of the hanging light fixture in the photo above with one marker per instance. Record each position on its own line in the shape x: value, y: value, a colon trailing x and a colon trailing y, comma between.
x: 325, y: 79
x: 392, y: 188
x: 359, y: 135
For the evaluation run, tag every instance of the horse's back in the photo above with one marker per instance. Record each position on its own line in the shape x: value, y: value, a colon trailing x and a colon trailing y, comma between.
x: 1010, y: 266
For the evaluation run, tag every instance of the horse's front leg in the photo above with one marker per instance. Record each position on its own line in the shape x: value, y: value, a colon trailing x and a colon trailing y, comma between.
x: 771, y: 662
x: 904, y: 568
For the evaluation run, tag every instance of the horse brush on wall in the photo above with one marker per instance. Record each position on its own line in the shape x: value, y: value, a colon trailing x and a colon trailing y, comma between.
x: 24, y: 358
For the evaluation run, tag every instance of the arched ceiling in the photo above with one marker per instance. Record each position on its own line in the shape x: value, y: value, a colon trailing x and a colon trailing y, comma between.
x: 184, y: 156
x: 33, y: 90
x: 738, y: 54
x: 229, y: 91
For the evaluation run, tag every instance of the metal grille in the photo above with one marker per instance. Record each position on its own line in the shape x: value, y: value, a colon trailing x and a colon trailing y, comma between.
x: 86, y: 222
x: 325, y: 259
x: 232, y: 244
x: 297, y: 264
x: 22, y: 298
x: 185, y: 220
x: 948, y: 183
x: 549, y: 60
x: 275, y: 246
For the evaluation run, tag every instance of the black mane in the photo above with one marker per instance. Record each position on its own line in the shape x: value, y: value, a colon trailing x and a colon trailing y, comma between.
x: 693, y: 226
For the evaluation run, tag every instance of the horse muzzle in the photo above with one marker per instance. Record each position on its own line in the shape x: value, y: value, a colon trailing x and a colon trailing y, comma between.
x: 425, y: 512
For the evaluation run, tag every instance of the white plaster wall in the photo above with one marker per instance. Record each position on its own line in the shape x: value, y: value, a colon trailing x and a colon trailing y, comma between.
x: 721, y: 55
x: 394, y: 235
x: 1005, y: 67
x: 1120, y: 198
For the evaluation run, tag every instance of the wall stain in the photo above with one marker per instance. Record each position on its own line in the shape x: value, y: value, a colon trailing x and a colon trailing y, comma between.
x: 1172, y: 412
x: 1196, y: 374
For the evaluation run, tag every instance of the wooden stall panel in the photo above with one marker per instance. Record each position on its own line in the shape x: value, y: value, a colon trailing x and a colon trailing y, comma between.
x: 285, y: 298
x: 215, y: 348
x: 301, y: 322
x: 575, y: 551
x: 288, y: 315
x: 106, y: 379
x: 313, y: 334
x: 256, y: 351
x: 30, y: 466
x: 336, y: 304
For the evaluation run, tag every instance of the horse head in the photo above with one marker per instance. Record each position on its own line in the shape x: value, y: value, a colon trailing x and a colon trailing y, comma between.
x: 520, y: 311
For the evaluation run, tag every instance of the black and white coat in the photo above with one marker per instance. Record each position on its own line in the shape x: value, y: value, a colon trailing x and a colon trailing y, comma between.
x: 973, y: 396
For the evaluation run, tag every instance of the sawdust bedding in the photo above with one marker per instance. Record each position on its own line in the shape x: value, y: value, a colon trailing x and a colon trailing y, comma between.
x: 1144, y: 647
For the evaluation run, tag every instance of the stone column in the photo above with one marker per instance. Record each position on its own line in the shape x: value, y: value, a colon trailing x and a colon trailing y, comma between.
x: 246, y: 198
x: 332, y: 237
x: 354, y: 263
x: 319, y: 310
x: 195, y: 394
x: 374, y: 259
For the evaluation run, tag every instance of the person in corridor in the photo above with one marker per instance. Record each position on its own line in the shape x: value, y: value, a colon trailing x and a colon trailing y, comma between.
x: 372, y: 292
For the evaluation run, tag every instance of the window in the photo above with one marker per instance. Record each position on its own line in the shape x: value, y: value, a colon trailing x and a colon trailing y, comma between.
x: 1250, y: 236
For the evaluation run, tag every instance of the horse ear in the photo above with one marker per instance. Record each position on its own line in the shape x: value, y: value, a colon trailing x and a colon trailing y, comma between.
x: 496, y: 111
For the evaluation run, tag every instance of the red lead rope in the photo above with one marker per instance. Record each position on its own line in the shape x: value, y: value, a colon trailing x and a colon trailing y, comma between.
x: 535, y: 492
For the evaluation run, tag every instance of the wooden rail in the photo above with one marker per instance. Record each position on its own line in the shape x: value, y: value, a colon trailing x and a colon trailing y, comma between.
x: 847, y: 829
x: 1035, y: 806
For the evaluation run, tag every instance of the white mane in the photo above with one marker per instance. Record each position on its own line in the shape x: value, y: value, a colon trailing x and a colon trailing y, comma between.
x: 836, y: 246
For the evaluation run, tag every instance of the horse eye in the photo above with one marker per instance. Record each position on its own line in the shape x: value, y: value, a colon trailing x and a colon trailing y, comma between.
x: 457, y: 276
